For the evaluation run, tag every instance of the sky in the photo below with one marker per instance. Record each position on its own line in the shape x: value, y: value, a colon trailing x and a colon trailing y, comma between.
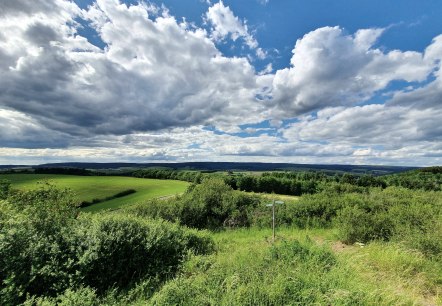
x: 312, y: 81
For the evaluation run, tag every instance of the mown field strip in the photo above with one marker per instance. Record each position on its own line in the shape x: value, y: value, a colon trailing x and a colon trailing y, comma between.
x: 88, y: 188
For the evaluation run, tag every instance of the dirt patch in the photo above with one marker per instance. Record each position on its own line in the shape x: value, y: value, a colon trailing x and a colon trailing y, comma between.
x: 336, y: 246
x: 339, y: 246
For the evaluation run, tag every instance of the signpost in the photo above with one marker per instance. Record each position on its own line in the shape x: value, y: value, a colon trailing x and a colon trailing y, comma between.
x: 273, y: 214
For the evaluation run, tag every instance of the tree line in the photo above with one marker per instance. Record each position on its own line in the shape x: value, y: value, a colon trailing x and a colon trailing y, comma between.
x: 306, y: 182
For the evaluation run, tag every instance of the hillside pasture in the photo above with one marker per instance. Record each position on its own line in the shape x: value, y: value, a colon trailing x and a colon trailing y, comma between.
x: 88, y: 188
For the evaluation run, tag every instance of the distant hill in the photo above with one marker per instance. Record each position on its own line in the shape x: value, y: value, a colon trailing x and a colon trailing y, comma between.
x: 14, y: 166
x: 228, y: 166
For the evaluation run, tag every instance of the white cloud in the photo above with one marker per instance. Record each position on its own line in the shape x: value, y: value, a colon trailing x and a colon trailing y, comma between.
x: 153, y: 74
x: 20, y: 130
x: 389, y: 126
x: 430, y: 95
x: 331, y: 68
x: 149, y: 93
x: 198, y: 144
x: 226, y: 25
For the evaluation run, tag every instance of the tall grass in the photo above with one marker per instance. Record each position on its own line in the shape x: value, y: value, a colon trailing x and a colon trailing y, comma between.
x: 249, y: 270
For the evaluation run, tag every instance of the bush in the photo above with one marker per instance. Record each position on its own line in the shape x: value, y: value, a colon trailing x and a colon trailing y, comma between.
x: 210, y: 205
x: 46, y: 249
x: 115, y: 196
x: 36, y: 254
x: 358, y: 225
x: 317, y: 210
x: 80, y: 297
x: 412, y: 217
x: 5, y: 187
x: 47, y: 207
x: 115, y: 251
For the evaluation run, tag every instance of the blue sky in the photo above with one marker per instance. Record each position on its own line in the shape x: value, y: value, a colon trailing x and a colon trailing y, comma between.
x: 277, y: 24
x: 352, y: 82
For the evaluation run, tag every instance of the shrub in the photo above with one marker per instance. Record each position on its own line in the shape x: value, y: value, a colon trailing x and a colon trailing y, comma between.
x: 317, y: 210
x: 80, y: 297
x: 412, y: 217
x: 210, y: 205
x: 115, y: 251
x: 45, y: 248
x: 115, y: 196
x: 5, y: 187
x: 357, y: 225
x: 35, y: 256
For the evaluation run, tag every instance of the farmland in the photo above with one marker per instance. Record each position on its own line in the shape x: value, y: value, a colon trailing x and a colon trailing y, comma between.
x: 88, y: 188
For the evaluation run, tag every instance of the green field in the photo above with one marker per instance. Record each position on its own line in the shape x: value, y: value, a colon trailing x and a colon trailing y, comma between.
x: 87, y: 188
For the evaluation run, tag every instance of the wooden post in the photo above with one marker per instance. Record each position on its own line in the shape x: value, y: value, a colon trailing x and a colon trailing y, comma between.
x: 273, y: 217
x: 273, y: 220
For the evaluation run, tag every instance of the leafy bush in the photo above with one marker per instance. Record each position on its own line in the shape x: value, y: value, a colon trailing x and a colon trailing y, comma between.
x: 317, y: 210
x: 35, y: 252
x: 5, y: 187
x: 45, y: 248
x: 211, y: 204
x: 115, y: 196
x: 117, y: 250
x: 80, y: 297
x: 413, y: 217
x: 357, y: 225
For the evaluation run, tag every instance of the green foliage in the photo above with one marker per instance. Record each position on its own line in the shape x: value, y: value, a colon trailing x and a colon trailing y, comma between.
x: 342, y: 188
x: 424, y: 179
x: 361, y: 214
x: 290, y: 273
x: 279, y: 183
x: 434, y: 170
x: 169, y: 174
x: 294, y: 250
x: 316, y: 210
x: 80, y: 297
x: 116, y: 196
x: 356, y: 224
x: 211, y: 204
x: 34, y: 243
x: 117, y: 250
x: 395, y: 213
x: 299, y: 183
x: 5, y: 187
x: 45, y: 248
x: 51, y: 254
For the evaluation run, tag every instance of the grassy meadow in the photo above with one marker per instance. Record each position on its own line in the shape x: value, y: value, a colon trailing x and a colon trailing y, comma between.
x: 88, y: 188
x: 303, y: 267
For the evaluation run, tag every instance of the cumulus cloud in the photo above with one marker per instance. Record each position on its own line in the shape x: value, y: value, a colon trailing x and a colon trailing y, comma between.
x: 225, y: 24
x: 369, y: 125
x: 332, y: 68
x: 199, y: 144
x: 20, y: 130
x: 430, y: 95
x: 151, y: 92
x: 153, y: 74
